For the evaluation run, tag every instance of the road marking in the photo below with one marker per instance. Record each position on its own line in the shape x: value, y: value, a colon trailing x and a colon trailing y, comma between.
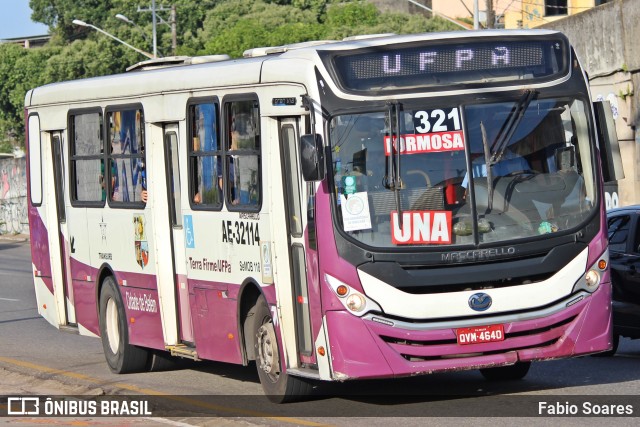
x: 9, y: 299
x: 151, y: 392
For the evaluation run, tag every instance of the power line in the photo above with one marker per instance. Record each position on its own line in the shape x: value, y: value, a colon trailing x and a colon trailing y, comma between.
x: 508, y: 6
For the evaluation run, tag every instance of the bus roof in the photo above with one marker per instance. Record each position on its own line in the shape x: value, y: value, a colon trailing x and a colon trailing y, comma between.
x: 190, y: 74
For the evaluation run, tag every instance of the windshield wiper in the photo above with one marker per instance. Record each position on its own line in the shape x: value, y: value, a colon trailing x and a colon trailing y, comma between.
x: 515, y: 117
x: 394, y: 181
x: 487, y: 160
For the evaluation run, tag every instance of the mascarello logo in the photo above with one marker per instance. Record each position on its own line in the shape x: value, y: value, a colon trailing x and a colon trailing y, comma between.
x: 480, y: 301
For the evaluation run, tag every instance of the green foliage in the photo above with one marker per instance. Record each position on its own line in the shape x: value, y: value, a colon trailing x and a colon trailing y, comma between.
x: 352, y: 14
x: 203, y: 27
x: 10, y: 111
x: 236, y: 39
x: 59, y: 14
x: 89, y: 58
x: 20, y: 70
x: 246, y: 24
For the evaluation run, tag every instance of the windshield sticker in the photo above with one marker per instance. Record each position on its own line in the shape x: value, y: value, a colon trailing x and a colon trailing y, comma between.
x: 421, y: 227
x: 435, y: 131
x: 349, y: 184
x: 355, y: 212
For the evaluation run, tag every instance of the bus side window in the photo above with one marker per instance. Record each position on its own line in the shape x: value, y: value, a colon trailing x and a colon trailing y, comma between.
x: 242, y: 155
x: 88, y: 177
x: 126, y: 157
x: 205, y: 161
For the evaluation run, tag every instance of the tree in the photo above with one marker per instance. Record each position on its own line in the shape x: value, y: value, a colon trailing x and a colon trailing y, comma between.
x: 352, y: 14
x: 20, y: 70
x: 59, y: 14
x: 235, y: 26
x: 350, y: 19
x: 89, y: 58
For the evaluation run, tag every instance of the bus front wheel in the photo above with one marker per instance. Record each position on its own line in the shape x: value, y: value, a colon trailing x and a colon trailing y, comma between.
x: 507, y: 373
x: 121, y: 356
x: 277, y: 385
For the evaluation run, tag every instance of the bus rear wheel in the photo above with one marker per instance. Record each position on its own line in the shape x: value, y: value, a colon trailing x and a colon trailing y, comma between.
x: 121, y: 356
x: 277, y: 385
x: 507, y: 373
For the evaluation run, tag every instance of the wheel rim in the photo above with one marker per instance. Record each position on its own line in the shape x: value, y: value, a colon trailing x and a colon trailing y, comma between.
x: 268, y: 355
x: 111, y: 323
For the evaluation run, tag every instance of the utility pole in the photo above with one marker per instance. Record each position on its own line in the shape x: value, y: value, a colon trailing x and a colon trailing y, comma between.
x: 476, y: 15
x: 153, y: 11
x: 491, y: 15
x: 174, y: 32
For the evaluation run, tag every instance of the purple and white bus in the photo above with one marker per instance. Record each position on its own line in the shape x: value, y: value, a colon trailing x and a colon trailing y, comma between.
x: 379, y: 207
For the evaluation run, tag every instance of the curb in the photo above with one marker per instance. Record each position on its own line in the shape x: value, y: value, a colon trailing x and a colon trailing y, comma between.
x: 15, y: 238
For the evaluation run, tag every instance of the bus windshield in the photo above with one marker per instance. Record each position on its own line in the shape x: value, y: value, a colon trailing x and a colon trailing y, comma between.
x: 461, y: 175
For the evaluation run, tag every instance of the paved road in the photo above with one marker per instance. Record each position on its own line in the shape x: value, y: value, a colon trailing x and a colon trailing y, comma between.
x: 36, y: 358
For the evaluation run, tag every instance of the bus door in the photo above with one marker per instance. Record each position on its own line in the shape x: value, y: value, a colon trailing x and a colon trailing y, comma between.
x: 57, y: 155
x: 178, y: 250
x: 302, y: 251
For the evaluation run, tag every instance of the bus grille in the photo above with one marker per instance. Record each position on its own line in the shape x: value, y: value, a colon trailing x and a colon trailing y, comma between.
x: 437, y: 347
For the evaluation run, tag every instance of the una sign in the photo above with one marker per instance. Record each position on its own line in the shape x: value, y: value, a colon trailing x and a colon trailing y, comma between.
x: 421, y: 227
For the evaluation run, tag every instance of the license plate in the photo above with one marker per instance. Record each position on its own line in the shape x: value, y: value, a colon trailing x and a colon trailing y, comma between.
x: 480, y: 334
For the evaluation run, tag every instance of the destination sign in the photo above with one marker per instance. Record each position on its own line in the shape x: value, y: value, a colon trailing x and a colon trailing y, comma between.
x: 472, y: 61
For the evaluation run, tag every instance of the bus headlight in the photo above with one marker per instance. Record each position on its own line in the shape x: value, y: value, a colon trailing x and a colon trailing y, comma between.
x: 592, y: 278
x: 356, y: 302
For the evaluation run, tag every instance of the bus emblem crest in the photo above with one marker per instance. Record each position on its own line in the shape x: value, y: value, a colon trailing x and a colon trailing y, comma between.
x: 140, y: 239
x: 480, y: 301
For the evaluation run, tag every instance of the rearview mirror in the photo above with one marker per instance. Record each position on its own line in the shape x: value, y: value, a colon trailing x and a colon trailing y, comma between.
x: 312, y: 157
x: 608, y: 139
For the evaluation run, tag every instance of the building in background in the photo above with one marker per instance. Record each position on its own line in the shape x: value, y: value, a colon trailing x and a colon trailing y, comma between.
x: 29, y: 42
x: 513, y: 14
x: 533, y: 13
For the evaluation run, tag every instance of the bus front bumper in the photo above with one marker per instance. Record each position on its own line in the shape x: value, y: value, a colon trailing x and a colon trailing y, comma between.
x: 367, y: 348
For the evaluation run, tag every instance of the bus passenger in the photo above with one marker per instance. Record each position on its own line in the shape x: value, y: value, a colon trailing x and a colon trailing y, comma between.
x: 143, y: 183
x: 234, y: 188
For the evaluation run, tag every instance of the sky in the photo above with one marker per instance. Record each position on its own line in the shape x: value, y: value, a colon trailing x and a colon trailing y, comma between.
x: 15, y: 20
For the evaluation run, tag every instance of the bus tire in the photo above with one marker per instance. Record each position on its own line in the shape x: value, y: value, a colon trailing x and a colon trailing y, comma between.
x: 121, y: 356
x: 161, y: 361
x: 506, y: 373
x: 277, y: 385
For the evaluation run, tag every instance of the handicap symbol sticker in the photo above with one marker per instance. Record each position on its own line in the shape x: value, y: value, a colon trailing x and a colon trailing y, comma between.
x: 189, y: 238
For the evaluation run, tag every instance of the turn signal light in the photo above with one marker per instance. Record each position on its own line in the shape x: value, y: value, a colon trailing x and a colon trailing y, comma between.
x: 342, y: 290
x: 602, y: 264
